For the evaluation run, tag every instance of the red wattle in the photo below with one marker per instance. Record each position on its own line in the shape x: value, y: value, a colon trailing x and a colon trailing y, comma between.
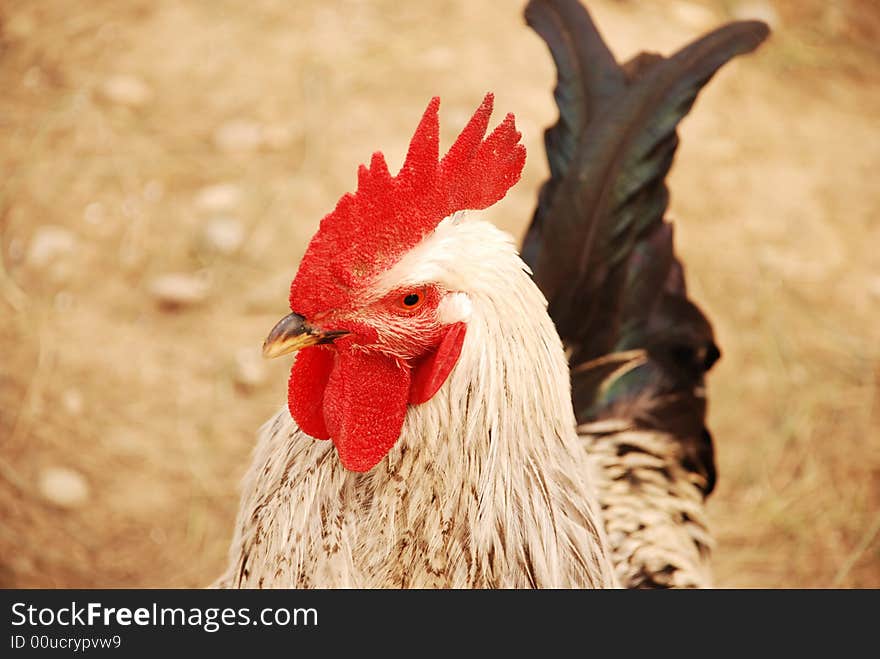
x: 430, y: 372
x: 364, y: 406
x: 359, y: 399
x: 305, y: 391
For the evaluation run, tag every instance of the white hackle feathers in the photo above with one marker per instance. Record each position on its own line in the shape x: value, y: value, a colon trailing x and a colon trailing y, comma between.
x: 488, y: 485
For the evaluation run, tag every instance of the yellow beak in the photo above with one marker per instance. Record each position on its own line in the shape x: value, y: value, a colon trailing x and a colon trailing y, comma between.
x: 293, y: 333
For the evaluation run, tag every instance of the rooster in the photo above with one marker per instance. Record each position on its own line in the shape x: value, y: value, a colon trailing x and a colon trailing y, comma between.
x: 430, y: 438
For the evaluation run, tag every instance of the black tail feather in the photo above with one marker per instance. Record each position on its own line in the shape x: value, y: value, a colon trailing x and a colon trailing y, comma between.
x: 598, y: 244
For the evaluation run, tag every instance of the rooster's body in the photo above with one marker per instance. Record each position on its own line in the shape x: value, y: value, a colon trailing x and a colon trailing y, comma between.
x: 428, y: 357
x: 470, y: 495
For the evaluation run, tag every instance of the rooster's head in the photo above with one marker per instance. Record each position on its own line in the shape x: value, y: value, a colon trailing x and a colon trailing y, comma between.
x: 378, y: 324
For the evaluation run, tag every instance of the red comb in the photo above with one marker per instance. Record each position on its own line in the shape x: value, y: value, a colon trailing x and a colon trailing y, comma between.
x: 370, y: 230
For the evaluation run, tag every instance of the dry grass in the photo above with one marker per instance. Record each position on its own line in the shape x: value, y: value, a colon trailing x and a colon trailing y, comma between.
x: 774, y: 192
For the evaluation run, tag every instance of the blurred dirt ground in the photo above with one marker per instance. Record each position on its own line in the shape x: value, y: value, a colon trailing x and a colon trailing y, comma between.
x: 206, y: 139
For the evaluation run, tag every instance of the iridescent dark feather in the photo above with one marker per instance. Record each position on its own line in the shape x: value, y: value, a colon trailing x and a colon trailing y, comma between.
x: 598, y: 244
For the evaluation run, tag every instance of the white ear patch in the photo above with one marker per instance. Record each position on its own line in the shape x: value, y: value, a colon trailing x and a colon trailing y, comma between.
x: 454, y: 308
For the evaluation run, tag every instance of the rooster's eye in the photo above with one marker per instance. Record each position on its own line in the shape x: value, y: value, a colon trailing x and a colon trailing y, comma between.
x: 412, y: 300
